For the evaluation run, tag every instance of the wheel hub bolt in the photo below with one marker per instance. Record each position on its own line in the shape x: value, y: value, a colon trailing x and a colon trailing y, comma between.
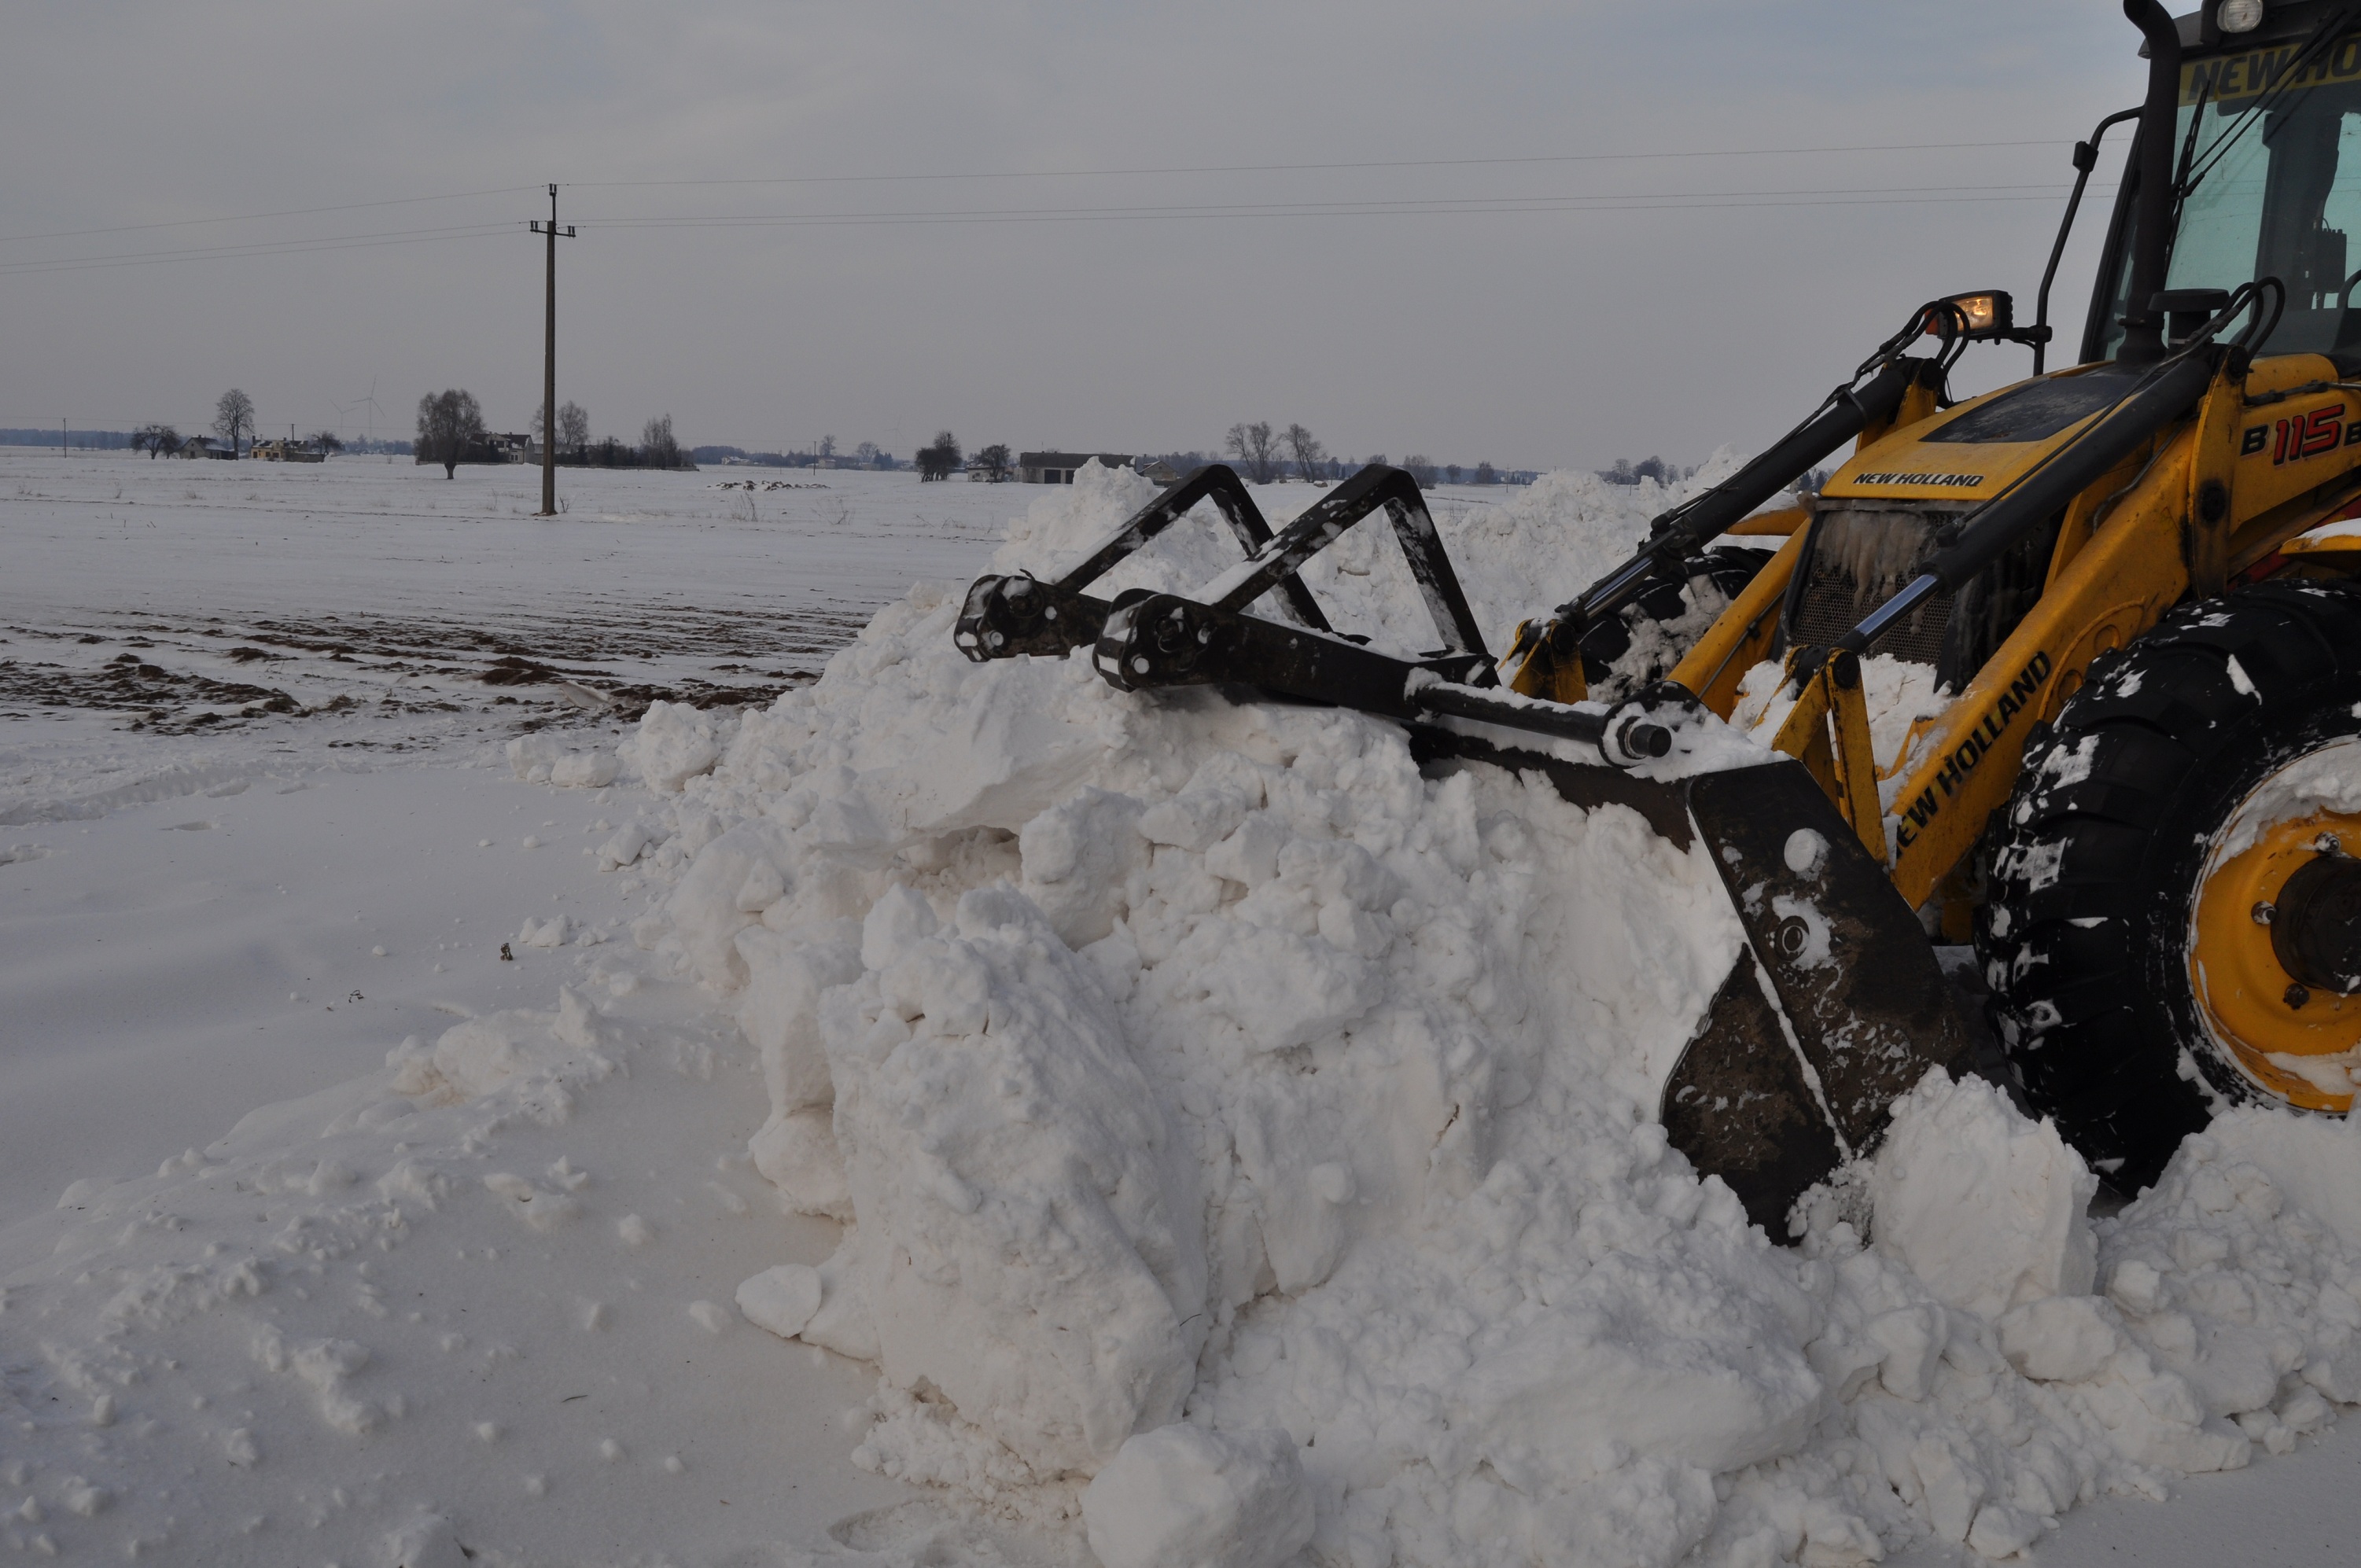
x: 2296, y: 995
x: 2263, y: 910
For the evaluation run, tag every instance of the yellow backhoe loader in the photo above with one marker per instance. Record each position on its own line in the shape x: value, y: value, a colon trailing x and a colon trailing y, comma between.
x: 2126, y: 594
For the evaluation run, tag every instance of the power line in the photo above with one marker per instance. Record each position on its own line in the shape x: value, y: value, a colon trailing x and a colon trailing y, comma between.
x: 258, y: 249
x: 1614, y: 202
x: 1441, y: 206
x: 1372, y: 163
x: 255, y: 217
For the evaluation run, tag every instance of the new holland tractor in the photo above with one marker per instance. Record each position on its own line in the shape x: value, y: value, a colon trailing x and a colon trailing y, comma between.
x: 2133, y: 580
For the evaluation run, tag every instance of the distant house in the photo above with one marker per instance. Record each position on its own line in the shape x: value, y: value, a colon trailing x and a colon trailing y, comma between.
x: 206, y: 446
x: 277, y: 451
x: 1058, y: 467
x: 1161, y: 472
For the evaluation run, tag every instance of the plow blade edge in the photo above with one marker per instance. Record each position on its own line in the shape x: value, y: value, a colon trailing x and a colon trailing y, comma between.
x: 1835, y: 1007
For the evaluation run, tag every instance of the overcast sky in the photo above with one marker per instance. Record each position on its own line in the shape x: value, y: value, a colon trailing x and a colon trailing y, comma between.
x: 1394, y: 307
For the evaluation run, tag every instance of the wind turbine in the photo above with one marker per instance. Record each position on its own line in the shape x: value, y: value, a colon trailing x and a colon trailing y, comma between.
x: 369, y: 402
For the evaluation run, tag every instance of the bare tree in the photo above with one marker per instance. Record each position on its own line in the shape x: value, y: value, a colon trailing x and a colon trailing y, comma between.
x: 572, y: 427
x: 1310, y: 457
x: 658, y: 446
x: 324, y: 440
x: 1451, y: 472
x: 1486, y: 474
x: 232, y: 416
x: 936, y: 462
x: 866, y: 455
x: 991, y: 462
x: 156, y: 439
x: 449, y: 422
x: 1257, y: 448
x: 1419, y: 468
x: 828, y: 446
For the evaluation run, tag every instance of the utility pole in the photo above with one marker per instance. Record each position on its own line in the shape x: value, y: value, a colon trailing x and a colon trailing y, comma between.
x: 549, y: 364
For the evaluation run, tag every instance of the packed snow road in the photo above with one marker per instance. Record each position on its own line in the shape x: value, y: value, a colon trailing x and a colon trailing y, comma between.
x: 1247, y: 1136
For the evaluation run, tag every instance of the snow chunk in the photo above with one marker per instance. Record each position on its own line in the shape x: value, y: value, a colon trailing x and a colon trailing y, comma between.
x: 782, y: 1299
x: 1988, y: 1209
x: 544, y: 758
x: 1182, y: 1496
x: 674, y: 743
x: 1030, y: 1237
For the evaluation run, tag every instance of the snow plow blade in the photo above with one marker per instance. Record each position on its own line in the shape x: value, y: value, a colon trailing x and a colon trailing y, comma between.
x: 1835, y: 1007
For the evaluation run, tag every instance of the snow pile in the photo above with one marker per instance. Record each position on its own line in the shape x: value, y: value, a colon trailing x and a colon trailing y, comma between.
x: 1183, y: 1062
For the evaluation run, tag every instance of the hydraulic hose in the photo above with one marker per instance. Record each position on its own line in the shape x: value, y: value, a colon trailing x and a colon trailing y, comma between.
x: 1795, y: 452
x: 1682, y: 533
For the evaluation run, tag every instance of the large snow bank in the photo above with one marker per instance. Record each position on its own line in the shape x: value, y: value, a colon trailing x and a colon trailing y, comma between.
x: 1183, y: 1062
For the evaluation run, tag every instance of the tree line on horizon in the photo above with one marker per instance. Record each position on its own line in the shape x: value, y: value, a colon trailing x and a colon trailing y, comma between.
x: 233, y: 420
x: 451, y: 431
x: 1268, y: 455
x: 451, y: 427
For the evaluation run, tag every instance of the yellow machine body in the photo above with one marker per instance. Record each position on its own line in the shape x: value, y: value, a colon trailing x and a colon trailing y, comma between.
x: 2229, y: 493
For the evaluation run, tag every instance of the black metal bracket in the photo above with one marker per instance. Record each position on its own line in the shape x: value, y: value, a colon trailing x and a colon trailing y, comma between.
x: 1145, y: 641
x: 1162, y: 639
x: 1017, y: 613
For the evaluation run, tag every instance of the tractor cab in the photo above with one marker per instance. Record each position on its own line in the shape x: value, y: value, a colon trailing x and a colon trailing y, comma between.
x: 2266, y: 163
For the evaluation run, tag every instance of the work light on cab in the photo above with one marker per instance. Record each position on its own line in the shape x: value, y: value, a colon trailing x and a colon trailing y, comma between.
x: 2239, y: 16
x: 1988, y: 316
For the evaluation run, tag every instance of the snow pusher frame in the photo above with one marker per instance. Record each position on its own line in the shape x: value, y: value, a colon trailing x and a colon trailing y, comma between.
x: 2094, y: 514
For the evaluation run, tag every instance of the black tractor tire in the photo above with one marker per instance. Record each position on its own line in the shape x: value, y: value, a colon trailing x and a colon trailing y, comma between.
x: 2085, y: 937
x: 1627, y: 653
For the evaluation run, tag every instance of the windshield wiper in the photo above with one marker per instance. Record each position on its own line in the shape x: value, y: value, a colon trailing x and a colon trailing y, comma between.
x: 2189, y: 180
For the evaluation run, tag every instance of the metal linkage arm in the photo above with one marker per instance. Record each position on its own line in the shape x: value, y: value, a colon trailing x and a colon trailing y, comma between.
x: 1163, y: 639
x: 1005, y: 616
x: 1325, y: 522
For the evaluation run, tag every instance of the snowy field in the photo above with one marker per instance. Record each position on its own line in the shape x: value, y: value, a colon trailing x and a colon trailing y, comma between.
x: 322, y: 791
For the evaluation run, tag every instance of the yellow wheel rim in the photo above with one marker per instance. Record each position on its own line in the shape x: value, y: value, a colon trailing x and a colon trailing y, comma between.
x: 2302, y: 1045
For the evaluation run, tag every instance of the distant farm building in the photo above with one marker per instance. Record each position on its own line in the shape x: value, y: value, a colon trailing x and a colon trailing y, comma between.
x: 206, y: 446
x: 493, y: 446
x: 1058, y: 467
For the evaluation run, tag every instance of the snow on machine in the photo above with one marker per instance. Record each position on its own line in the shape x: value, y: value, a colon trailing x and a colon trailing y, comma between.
x: 2136, y: 584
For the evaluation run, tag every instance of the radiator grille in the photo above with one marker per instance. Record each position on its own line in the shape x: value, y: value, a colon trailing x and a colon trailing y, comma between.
x: 1861, y: 557
x: 1828, y: 611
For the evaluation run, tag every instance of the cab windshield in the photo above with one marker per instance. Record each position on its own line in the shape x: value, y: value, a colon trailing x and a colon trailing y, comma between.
x: 2267, y: 147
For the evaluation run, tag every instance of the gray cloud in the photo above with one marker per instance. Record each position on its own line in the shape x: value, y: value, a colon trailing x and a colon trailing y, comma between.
x: 1526, y: 337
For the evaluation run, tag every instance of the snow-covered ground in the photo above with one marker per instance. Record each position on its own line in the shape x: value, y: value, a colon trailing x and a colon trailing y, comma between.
x: 544, y: 1061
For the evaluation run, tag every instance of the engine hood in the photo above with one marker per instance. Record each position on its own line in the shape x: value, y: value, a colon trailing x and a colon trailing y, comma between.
x: 1969, y: 452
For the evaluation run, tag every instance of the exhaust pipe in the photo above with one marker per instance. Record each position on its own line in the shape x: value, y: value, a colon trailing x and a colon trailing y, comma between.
x: 2143, y: 327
